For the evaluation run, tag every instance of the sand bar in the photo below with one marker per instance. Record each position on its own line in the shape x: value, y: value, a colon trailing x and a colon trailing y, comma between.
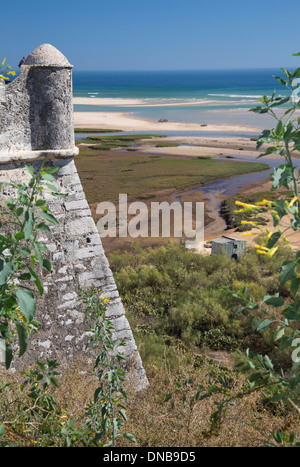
x: 119, y: 102
x: 126, y: 122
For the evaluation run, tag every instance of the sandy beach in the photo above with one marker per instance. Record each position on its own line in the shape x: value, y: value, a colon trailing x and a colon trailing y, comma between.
x: 195, y: 146
x: 141, y: 102
x: 122, y: 121
x: 192, y: 146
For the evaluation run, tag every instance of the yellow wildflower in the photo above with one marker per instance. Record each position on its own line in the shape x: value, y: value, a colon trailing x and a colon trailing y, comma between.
x: 292, y: 202
x: 104, y: 298
x: 272, y: 251
x: 247, y: 233
x: 261, y: 247
x: 263, y: 202
x: 245, y: 205
x: 261, y: 252
x: 248, y: 222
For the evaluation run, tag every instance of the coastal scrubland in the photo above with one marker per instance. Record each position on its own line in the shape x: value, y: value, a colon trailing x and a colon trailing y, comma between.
x: 186, y: 330
x: 184, y: 324
x: 187, y: 334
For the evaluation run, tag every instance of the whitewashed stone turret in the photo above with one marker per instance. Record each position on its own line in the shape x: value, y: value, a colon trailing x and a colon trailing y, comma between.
x: 36, y: 125
x: 36, y: 112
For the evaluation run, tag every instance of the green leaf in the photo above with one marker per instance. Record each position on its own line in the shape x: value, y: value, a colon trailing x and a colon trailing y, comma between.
x: 279, y: 101
x: 40, y: 365
x: 8, y: 355
x: 42, y: 227
x: 259, y: 109
x: 38, y: 253
x: 23, y: 338
x: 28, y: 228
x: 50, y: 170
x: 279, y: 333
x: 49, y: 217
x: 281, y: 210
x: 292, y: 312
x: 123, y: 413
x: 286, y: 342
x: 287, y: 271
x: 6, y: 269
x: 279, y: 128
x: 47, y: 176
x: 262, y: 324
x: 37, y: 280
x: 275, y: 301
x: 295, y: 284
x: 282, y: 176
x: 27, y: 303
x: 30, y: 169
x: 46, y: 264
x: 130, y: 437
x: 268, y: 363
x: 281, y: 81
x: 273, y: 239
x: 40, y: 202
x: 26, y: 251
x: 51, y: 187
x: 287, y: 73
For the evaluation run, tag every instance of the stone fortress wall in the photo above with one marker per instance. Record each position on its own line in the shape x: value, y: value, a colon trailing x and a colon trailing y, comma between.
x: 36, y: 125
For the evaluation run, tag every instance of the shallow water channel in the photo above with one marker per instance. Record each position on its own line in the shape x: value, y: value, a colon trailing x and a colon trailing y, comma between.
x: 216, y: 190
x: 229, y: 187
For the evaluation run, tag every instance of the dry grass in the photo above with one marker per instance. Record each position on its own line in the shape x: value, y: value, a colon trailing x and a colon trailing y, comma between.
x: 249, y: 422
x: 156, y: 423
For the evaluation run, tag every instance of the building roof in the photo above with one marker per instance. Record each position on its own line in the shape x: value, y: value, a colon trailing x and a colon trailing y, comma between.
x: 225, y: 239
x: 48, y: 56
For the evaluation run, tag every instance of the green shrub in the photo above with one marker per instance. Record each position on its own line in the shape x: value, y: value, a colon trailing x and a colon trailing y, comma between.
x: 179, y: 293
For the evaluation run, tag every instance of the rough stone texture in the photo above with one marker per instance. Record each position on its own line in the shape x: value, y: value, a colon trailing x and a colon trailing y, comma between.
x: 47, y: 55
x: 35, y: 117
x: 36, y: 112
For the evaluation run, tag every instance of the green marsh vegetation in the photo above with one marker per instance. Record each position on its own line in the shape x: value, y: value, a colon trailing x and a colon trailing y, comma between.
x: 167, y: 144
x: 105, y: 174
x: 108, y: 142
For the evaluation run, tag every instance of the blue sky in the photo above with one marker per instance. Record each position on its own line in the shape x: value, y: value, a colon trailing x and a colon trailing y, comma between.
x: 156, y: 34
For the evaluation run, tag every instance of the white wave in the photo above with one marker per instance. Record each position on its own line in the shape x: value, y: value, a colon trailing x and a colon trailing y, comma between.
x: 237, y: 95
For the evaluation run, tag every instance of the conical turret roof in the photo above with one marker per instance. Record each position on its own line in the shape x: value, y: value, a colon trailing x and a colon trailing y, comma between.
x: 48, y: 56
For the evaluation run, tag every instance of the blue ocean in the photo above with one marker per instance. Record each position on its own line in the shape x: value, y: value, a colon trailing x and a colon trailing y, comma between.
x: 223, y: 93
